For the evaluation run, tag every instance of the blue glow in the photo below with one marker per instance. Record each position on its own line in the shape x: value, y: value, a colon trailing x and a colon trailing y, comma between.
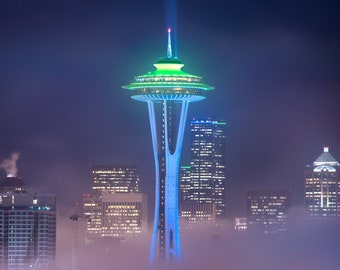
x: 152, y: 119
x: 46, y: 208
x: 172, y: 234
x: 167, y: 84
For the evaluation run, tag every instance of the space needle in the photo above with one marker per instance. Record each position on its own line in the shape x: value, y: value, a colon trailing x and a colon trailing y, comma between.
x: 167, y: 90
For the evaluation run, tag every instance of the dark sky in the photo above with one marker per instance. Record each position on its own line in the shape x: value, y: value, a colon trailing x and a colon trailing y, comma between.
x: 275, y: 66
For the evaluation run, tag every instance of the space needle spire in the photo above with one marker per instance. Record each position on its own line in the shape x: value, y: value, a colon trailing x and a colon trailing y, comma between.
x: 169, y: 51
x: 167, y: 91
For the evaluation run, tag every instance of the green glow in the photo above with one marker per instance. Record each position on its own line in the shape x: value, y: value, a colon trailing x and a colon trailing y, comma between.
x: 219, y: 123
x: 169, y: 66
x: 175, y: 85
x: 168, y: 75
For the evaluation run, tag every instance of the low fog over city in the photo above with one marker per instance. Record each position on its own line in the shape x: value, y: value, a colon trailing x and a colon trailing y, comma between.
x: 95, y: 100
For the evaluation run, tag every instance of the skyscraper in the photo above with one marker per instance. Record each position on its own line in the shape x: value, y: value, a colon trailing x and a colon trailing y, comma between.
x: 185, y: 184
x: 267, y: 210
x: 115, y: 208
x: 115, y: 178
x: 27, y: 227
x: 192, y: 211
x: 196, y: 213
x: 204, y: 181
x: 164, y: 90
x: 322, y: 186
x: 241, y: 223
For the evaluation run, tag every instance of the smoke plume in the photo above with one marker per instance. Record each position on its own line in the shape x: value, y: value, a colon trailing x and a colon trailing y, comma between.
x: 10, y: 164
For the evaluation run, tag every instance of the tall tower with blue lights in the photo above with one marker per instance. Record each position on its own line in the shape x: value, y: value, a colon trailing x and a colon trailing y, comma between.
x: 167, y: 91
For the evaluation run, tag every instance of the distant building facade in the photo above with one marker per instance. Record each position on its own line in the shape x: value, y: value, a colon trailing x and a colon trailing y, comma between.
x: 241, y: 223
x: 322, y: 186
x: 115, y: 208
x: 115, y: 179
x: 267, y: 210
x: 27, y: 227
x: 204, y: 181
x: 192, y: 213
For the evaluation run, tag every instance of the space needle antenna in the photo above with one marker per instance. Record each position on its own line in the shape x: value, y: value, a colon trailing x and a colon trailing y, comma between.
x: 169, y: 51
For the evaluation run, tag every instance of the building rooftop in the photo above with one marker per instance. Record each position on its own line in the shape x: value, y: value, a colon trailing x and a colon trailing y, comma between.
x: 326, y: 159
x: 12, y: 182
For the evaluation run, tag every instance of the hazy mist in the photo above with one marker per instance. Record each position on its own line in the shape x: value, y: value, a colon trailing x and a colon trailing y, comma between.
x: 306, y: 245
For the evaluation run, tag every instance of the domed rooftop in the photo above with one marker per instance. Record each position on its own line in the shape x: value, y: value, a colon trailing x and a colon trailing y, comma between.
x: 326, y: 159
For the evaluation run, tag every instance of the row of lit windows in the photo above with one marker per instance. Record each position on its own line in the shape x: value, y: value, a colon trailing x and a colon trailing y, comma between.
x: 114, y: 170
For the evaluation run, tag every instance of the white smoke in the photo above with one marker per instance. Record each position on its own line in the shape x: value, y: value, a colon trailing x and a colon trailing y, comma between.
x: 10, y: 164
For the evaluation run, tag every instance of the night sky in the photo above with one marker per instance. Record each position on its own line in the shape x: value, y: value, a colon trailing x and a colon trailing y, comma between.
x: 275, y: 66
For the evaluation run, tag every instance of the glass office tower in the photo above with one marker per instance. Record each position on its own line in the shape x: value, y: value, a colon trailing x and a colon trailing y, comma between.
x: 208, y: 168
x: 204, y: 181
x: 27, y: 227
x: 267, y: 210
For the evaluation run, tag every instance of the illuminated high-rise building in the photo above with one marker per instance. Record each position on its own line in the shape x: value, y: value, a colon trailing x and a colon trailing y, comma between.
x: 204, y: 181
x: 27, y: 227
x: 241, y: 223
x: 115, y: 208
x: 267, y: 210
x: 167, y: 91
x: 322, y: 186
x: 192, y: 213
x: 115, y: 178
x: 117, y: 215
x: 185, y: 184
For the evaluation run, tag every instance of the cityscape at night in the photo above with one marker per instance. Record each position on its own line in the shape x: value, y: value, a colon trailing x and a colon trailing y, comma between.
x: 246, y: 178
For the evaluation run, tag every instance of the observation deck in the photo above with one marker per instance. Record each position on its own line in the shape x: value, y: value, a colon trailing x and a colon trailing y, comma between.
x: 168, y: 82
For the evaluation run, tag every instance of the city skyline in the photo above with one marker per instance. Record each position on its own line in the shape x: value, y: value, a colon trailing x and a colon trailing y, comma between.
x: 275, y: 67
x: 63, y: 67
